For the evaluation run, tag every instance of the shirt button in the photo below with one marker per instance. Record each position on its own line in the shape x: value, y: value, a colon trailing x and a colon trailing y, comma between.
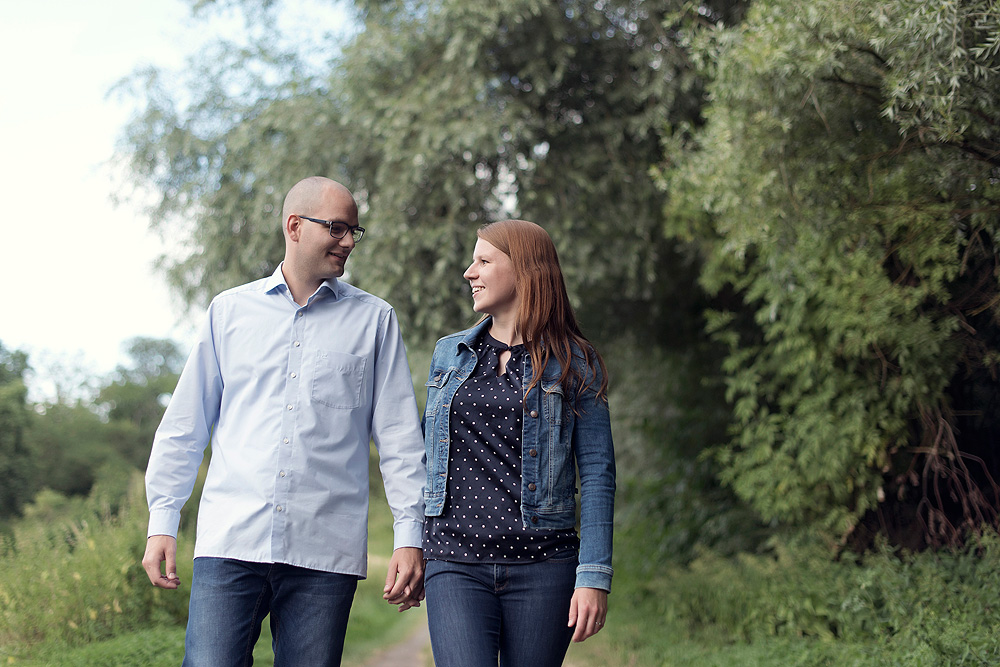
x: 532, y: 452
x: 531, y: 487
x: 289, y: 406
x: 285, y: 441
x: 281, y: 509
x: 297, y: 343
x: 295, y: 375
x: 534, y: 414
x: 281, y: 474
x: 301, y: 314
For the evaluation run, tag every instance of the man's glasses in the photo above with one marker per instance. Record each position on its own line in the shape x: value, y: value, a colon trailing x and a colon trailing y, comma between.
x: 338, y: 230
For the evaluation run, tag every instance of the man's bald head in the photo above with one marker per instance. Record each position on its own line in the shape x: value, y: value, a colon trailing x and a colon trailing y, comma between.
x: 306, y: 196
x: 312, y: 254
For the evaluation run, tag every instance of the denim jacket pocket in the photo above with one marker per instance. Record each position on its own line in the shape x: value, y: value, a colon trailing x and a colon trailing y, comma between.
x: 553, y: 405
x: 338, y: 379
x: 434, y: 386
x: 558, y: 470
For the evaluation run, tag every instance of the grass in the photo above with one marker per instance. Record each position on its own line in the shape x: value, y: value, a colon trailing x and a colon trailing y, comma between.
x: 779, y: 653
x: 149, y: 648
x: 796, y: 605
x: 626, y: 644
x: 72, y: 592
x: 373, y: 625
x: 76, y: 579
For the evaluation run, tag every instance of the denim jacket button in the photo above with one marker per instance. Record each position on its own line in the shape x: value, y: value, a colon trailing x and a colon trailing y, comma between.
x: 534, y: 519
x: 531, y: 487
x: 532, y: 452
x: 534, y: 414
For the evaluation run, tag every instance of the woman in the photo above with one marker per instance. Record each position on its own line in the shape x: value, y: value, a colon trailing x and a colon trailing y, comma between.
x: 515, y: 406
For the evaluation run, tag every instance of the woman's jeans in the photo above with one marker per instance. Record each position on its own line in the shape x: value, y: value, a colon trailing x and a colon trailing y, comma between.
x: 477, y: 611
x: 230, y: 598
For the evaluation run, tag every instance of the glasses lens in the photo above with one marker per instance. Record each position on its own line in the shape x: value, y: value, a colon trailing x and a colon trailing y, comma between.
x: 358, y: 233
x: 338, y: 229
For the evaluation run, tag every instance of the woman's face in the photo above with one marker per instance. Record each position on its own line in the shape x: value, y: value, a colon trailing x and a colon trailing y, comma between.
x: 491, y: 276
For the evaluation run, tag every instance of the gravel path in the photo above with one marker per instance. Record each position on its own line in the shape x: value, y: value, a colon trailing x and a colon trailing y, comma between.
x: 413, y: 651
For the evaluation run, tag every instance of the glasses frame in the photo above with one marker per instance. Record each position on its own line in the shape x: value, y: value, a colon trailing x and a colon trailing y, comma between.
x: 357, y: 231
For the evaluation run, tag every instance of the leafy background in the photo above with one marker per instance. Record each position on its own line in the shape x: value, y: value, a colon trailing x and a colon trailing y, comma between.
x: 779, y: 221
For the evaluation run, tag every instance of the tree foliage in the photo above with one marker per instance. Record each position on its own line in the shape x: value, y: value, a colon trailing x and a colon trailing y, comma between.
x: 846, y: 190
x: 825, y: 173
x: 66, y: 445
x: 549, y: 111
x: 134, y: 399
x: 15, y: 458
x: 70, y: 444
x: 440, y: 115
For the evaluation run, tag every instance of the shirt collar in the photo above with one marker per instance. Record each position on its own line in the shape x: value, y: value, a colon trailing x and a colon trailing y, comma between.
x: 277, y: 282
x: 492, y: 342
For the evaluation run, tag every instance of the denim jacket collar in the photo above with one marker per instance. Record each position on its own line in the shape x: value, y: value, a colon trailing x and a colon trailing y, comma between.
x: 474, y: 333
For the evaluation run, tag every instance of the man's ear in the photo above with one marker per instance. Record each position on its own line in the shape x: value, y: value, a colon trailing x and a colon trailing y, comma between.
x: 293, y: 227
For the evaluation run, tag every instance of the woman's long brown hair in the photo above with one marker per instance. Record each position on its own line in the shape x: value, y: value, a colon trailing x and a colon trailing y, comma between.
x: 545, y: 317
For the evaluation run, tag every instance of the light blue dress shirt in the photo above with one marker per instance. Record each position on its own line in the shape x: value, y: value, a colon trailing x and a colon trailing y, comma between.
x: 290, y: 397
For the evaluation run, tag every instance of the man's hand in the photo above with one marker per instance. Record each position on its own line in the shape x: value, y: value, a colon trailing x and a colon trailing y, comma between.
x: 587, y: 611
x: 404, y: 584
x: 159, y: 549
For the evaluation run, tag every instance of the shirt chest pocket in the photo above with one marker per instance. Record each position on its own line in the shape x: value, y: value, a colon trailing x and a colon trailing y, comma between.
x: 338, y: 379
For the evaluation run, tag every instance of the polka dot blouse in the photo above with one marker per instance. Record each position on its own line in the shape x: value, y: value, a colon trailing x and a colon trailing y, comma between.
x: 481, y: 521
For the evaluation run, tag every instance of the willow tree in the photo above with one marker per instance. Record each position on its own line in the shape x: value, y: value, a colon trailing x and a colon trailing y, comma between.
x: 440, y: 115
x: 846, y: 190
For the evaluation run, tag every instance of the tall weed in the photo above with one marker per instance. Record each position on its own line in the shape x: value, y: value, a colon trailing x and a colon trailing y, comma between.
x: 79, y: 579
x: 72, y: 590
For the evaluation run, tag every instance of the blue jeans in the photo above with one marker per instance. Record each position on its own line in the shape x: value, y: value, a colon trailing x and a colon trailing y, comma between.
x: 230, y: 598
x: 478, y: 611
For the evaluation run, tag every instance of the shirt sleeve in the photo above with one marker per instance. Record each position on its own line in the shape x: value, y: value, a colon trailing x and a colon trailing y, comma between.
x: 184, y: 433
x: 397, y: 436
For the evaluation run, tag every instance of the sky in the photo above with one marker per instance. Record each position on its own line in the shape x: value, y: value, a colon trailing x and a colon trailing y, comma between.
x: 76, y: 270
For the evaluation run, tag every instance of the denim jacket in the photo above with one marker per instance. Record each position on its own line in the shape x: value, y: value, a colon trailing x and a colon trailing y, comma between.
x: 554, y: 438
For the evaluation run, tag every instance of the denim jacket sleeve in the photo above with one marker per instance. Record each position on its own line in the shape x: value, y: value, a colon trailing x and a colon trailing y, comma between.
x: 595, y: 460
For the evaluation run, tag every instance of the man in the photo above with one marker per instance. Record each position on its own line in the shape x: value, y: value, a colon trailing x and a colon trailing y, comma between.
x: 290, y: 379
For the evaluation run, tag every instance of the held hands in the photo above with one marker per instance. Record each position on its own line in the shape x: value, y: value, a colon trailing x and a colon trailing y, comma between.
x: 159, y: 549
x: 404, y: 583
x: 587, y: 611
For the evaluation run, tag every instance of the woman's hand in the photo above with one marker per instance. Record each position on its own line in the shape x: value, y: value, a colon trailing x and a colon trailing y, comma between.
x: 587, y: 611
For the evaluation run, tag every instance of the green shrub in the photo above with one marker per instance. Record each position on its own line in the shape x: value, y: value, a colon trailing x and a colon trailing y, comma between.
x: 798, y: 604
x: 933, y: 608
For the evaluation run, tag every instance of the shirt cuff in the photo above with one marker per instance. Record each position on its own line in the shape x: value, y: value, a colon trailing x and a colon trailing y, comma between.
x: 408, y: 534
x: 163, y: 522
